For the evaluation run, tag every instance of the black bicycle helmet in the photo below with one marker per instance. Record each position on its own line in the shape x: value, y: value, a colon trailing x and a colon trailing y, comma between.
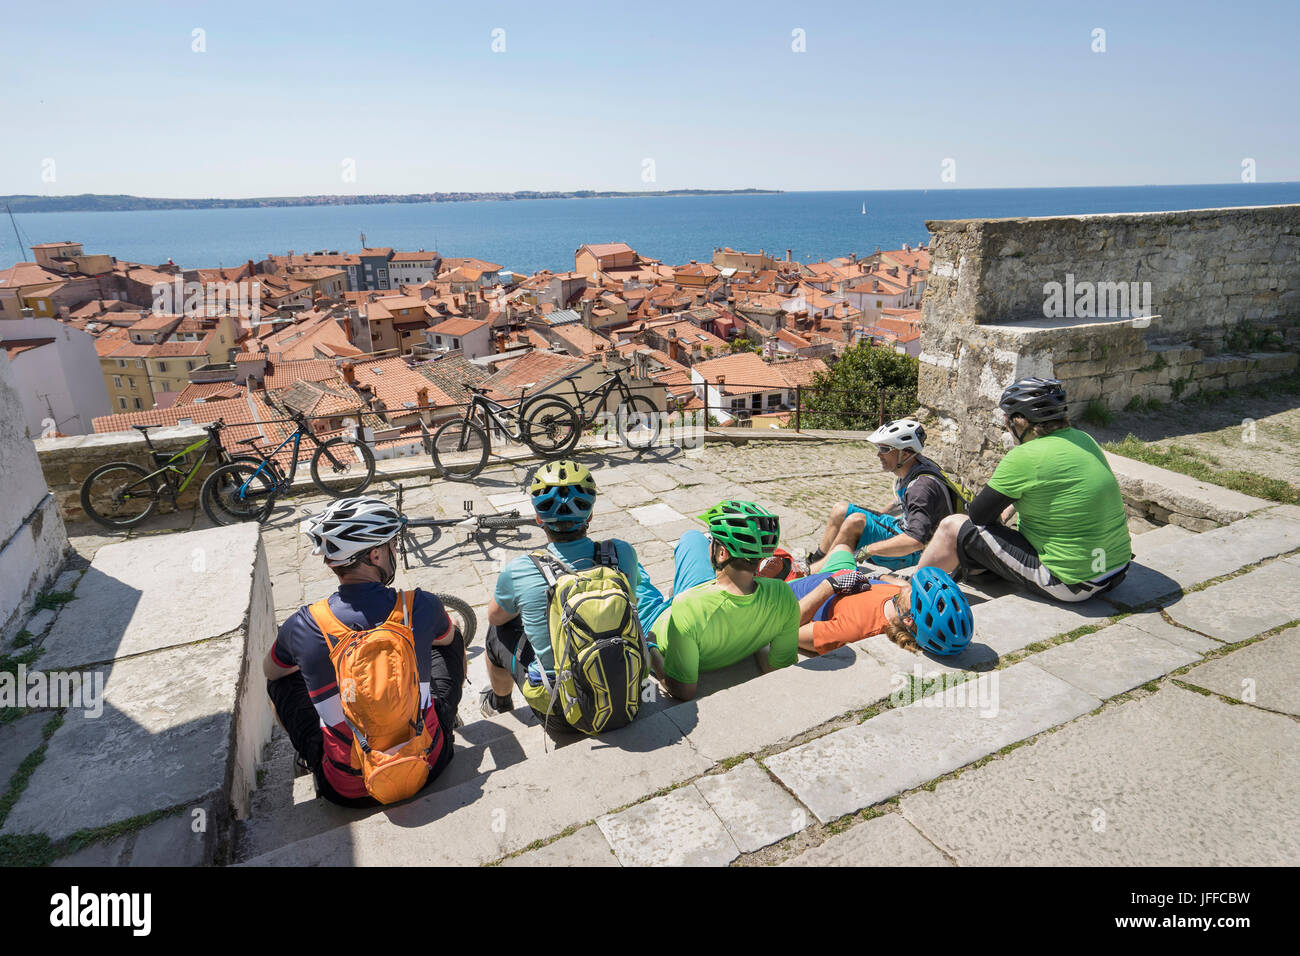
x: 1036, y: 399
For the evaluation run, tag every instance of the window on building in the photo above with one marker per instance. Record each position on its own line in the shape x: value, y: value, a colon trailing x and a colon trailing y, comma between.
x: 773, y: 400
x: 122, y: 404
x: 737, y: 404
x: 189, y: 367
x: 130, y: 381
x: 756, y: 403
x: 162, y: 366
x: 117, y: 381
x: 455, y: 343
x: 121, y: 363
x: 138, y: 406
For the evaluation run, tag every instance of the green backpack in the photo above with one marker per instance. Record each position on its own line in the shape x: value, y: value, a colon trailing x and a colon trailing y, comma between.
x: 958, y: 494
x: 600, y: 653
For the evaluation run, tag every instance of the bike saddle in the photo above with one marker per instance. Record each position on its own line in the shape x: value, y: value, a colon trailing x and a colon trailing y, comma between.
x: 248, y: 441
x: 143, y: 428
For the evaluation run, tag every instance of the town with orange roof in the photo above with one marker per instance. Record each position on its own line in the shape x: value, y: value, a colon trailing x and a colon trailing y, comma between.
x: 365, y: 338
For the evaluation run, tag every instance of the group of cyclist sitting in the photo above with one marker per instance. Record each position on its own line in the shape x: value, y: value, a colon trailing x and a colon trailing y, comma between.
x: 367, y: 681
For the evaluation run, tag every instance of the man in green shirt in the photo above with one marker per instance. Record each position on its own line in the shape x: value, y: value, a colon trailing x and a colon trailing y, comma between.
x: 720, y: 612
x: 1073, y: 540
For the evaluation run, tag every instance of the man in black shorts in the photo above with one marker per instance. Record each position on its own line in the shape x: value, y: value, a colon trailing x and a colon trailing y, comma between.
x: 1073, y: 540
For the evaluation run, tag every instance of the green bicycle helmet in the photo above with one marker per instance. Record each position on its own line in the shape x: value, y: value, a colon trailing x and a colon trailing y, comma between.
x: 748, y: 531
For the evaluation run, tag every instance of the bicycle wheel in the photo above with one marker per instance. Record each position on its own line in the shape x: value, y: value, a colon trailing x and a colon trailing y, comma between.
x: 238, y: 492
x: 460, y: 450
x: 550, y: 427
x: 351, y: 471
x: 119, y: 494
x: 461, y: 615
x: 639, y: 422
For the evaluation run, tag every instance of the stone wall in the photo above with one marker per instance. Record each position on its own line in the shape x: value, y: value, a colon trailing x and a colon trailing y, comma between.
x: 1223, y: 311
x: 33, y: 540
x: 68, y: 461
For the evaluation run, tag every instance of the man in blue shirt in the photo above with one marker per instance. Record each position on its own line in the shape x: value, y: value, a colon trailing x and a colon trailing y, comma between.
x: 519, y: 640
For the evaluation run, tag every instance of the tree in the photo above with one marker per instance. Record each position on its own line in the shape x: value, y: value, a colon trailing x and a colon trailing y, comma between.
x: 867, y: 380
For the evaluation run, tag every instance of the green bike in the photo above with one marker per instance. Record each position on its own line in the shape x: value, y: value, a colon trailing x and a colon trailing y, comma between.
x: 122, y: 494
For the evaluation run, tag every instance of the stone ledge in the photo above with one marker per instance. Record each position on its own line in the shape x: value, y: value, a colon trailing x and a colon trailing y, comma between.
x: 1183, y: 497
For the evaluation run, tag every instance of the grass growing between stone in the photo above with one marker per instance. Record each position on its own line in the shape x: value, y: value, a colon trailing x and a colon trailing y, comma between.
x: 26, y: 850
x: 9, y: 665
x: 1196, y: 464
x: 52, y: 600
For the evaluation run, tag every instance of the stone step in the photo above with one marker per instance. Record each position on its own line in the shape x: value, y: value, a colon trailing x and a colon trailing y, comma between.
x: 182, y: 714
x: 1163, y: 571
x: 1161, y: 536
x: 1172, y: 779
x: 850, y: 769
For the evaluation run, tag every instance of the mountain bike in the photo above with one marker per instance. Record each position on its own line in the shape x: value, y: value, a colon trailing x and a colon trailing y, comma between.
x: 473, y: 525
x: 247, y: 491
x: 460, y: 448
x: 121, y: 494
x: 637, y: 420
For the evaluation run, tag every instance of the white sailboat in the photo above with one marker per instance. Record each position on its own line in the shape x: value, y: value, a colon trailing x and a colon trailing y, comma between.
x: 864, y: 209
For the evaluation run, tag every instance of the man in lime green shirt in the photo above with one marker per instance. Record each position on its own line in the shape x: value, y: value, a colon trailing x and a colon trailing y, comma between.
x: 720, y: 612
x: 1073, y: 540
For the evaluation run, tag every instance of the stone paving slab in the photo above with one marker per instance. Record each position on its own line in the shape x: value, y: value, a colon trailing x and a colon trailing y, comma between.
x: 1173, y: 779
x: 1161, y: 536
x: 1177, y: 564
x: 887, y: 840
x: 777, y: 706
x: 18, y: 739
x: 161, y: 740
x: 127, y: 602
x: 38, y: 622
x: 1268, y: 672
x: 904, y: 663
x: 1154, y: 624
x: 654, y: 515
x: 489, y: 817
x: 677, y: 829
x: 1113, y: 660
x: 1015, y: 621
x: 754, y: 809
x: 1244, y: 606
x: 585, y: 847
x: 904, y: 747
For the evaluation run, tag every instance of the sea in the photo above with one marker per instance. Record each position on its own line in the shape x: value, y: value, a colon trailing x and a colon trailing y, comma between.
x: 528, y: 235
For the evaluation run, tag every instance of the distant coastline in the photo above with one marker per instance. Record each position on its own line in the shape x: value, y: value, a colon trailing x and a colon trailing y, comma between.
x: 93, y: 202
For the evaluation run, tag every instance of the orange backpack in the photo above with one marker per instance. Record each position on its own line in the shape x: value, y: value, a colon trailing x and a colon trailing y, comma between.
x: 379, y: 687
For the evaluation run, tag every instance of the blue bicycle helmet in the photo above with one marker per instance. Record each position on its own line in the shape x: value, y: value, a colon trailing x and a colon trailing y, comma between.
x: 563, y: 494
x: 944, y: 623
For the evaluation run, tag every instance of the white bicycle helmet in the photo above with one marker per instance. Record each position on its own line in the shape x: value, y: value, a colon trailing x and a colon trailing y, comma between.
x: 903, y: 433
x: 350, y: 526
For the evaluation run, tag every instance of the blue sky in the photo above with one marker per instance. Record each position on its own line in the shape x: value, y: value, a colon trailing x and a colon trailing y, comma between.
x: 712, y: 93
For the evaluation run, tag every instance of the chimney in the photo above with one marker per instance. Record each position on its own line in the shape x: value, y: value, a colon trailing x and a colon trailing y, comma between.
x: 789, y: 255
x: 422, y: 396
x: 722, y: 382
x: 350, y: 373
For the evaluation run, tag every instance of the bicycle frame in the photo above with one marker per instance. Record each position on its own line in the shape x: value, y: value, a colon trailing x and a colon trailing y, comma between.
x: 612, y: 380
x: 168, y: 470
x: 490, y: 412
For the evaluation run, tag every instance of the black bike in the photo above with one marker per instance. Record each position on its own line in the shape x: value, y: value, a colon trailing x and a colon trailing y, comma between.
x: 474, y: 525
x: 547, y: 425
x: 122, y: 494
x: 636, y: 419
x: 247, y: 491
